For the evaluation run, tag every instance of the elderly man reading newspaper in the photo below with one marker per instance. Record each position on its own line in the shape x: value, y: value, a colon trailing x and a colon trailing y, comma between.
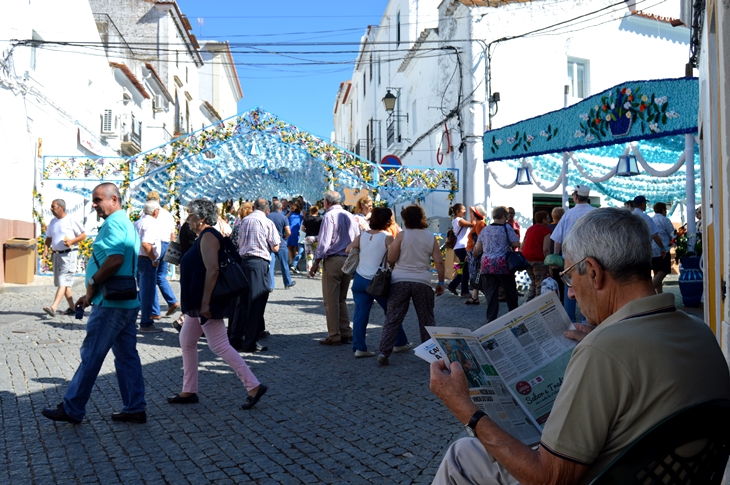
x: 639, y: 361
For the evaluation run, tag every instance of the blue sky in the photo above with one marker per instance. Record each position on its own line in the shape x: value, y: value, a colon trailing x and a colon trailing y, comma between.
x: 303, y: 95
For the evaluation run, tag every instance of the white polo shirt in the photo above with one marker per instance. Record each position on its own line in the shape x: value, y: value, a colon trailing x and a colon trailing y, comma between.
x: 166, y: 224
x: 148, y: 231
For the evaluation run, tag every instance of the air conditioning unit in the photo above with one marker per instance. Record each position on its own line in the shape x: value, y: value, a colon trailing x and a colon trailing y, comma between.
x: 108, y: 123
x: 157, y: 103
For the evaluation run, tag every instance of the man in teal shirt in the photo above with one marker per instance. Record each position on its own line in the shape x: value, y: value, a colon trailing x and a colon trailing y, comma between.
x: 111, y: 324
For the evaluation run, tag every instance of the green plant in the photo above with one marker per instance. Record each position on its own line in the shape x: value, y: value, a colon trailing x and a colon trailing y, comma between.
x: 682, y: 250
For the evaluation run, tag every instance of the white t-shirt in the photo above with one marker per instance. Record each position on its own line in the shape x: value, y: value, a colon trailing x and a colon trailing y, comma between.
x: 568, y: 221
x: 166, y: 225
x: 463, y: 237
x: 60, y: 229
x: 148, y: 231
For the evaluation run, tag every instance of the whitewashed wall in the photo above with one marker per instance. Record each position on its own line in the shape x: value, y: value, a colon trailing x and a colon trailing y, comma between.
x: 529, y: 73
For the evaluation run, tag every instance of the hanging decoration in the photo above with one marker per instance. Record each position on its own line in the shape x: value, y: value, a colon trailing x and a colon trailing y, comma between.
x: 630, y: 111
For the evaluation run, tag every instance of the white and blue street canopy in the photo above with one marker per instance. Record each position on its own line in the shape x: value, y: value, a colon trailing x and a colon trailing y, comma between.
x: 247, y: 156
x: 646, y: 119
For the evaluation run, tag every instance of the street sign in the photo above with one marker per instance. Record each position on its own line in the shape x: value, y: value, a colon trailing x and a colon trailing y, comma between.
x: 391, y: 160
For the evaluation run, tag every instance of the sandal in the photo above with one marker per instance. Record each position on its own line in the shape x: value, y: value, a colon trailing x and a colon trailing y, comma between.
x: 472, y: 301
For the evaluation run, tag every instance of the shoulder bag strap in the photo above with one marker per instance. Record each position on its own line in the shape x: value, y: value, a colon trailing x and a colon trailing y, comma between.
x: 134, y: 264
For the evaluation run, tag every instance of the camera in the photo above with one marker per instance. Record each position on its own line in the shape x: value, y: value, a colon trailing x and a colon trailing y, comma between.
x: 79, y: 312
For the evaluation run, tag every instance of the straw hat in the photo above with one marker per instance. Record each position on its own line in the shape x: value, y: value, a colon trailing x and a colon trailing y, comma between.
x: 153, y: 195
x: 479, y: 211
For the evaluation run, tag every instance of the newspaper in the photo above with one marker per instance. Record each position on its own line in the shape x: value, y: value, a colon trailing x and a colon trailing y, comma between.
x: 514, y: 365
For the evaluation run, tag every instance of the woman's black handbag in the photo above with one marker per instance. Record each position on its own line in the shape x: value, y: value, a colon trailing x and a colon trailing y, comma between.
x: 516, y: 261
x: 380, y: 284
x: 119, y: 288
x: 232, y: 281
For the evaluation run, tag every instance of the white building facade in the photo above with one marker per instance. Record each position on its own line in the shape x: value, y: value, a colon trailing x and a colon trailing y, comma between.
x: 97, y: 78
x: 50, y: 98
x: 443, y: 60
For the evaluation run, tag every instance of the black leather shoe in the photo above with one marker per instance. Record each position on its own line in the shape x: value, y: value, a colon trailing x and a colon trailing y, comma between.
x: 265, y: 333
x: 252, y: 400
x: 255, y: 348
x: 346, y: 340
x: 178, y: 399
x: 139, y: 418
x: 59, y: 414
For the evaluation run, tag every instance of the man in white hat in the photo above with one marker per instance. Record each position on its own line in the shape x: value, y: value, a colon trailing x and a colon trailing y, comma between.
x: 581, y: 198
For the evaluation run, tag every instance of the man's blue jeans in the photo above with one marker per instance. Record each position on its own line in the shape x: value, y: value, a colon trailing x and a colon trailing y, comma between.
x: 283, y: 256
x: 147, y: 283
x: 363, y: 304
x: 163, y: 284
x: 115, y: 329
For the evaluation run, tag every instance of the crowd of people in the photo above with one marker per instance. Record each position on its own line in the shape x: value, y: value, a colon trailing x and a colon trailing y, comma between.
x: 258, y: 234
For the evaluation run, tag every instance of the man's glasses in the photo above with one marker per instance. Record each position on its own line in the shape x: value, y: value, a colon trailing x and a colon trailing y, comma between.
x: 566, y: 277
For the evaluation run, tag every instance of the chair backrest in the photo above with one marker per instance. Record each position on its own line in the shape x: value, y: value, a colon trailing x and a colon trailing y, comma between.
x: 660, y: 456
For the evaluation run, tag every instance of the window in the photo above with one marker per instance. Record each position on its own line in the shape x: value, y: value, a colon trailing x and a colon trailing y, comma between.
x: 177, y: 59
x: 378, y: 70
x: 578, y: 78
x: 186, y: 74
x: 364, y: 78
x: 397, y: 29
x: 371, y: 66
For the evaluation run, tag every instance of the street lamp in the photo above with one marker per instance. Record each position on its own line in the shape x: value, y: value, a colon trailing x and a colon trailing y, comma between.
x: 627, y: 166
x: 389, y: 101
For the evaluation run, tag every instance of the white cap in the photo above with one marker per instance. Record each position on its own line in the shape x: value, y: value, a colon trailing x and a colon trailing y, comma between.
x: 582, y: 190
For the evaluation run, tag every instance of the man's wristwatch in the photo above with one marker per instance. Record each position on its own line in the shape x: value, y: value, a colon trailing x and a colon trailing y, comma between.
x: 91, y: 281
x: 471, y: 426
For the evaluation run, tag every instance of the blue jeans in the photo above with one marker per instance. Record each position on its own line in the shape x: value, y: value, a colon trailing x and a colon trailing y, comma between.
x: 300, y: 253
x: 363, y: 304
x: 283, y: 256
x: 147, y: 283
x: 163, y: 284
x: 115, y: 329
x: 569, y: 305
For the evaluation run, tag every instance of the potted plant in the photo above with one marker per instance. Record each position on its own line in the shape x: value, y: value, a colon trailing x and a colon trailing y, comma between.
x: 690, y: 274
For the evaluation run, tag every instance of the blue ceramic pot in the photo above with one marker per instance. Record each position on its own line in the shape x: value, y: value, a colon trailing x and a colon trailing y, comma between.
x: 690, y: 281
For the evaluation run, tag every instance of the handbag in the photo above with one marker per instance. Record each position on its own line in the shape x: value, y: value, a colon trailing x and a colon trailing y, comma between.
x: 173, y: 253
x: 452, y: 238
x: 379, y: 286
x: 119, y: 288
x: 352, y: 261
x: 515, y: 261
x: 232, y: 281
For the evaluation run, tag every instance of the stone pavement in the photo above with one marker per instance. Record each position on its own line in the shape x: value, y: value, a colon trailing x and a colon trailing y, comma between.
x: 327, y: 418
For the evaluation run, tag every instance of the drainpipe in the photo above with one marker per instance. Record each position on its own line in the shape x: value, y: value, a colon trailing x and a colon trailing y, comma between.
x: 689, y: 159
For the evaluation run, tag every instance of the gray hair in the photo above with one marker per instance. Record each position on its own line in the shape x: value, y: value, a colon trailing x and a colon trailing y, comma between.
x: 205, y: 210
x: 617, y: 239
x: 262, y: 205
x: 60, y: 203
x: 151, y: 206
x: 334, y: 198
x: 275, y: 206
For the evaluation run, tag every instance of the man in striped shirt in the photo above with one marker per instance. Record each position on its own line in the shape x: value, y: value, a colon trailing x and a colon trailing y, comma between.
x: 257, y: 239
x: 339, y: 228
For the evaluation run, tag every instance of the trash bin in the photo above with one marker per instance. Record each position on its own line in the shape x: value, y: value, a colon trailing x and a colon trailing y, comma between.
x: 20, y: 260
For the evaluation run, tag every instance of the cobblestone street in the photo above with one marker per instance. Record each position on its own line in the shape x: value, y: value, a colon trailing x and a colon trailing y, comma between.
x: 327, y: 418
